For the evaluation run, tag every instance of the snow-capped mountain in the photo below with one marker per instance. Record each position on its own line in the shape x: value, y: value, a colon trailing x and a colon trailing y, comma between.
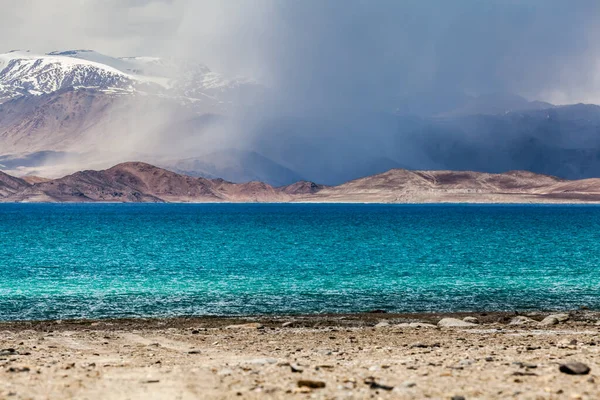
x: 22, y: 73
x: 25, y: 73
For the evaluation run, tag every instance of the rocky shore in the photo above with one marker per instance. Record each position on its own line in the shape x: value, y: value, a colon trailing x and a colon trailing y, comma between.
x: 370, y: 355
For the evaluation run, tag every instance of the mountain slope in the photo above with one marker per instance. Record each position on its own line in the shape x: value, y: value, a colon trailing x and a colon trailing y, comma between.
x: 10, y: 185
x: 140, y: 182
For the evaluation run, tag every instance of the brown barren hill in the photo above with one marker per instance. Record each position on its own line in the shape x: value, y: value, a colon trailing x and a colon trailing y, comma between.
x: 141, y: 182
x: 302, y: 187
x: 9, y: 185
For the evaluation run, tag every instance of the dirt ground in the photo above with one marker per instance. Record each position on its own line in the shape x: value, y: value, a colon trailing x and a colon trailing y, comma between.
x: 359, y: 356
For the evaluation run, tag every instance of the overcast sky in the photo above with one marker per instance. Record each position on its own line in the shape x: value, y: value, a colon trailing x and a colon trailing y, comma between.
x: 336, y: 49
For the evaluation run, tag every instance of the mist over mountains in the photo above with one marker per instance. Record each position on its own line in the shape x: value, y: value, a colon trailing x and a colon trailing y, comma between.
x: 78, y: 109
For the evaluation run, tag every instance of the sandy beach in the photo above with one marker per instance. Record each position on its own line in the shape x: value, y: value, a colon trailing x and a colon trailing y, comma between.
x: 372, y: 355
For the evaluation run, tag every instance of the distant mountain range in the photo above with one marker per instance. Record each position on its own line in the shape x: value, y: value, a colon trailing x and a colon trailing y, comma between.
x: 79, y: 109
x: 137, y: 182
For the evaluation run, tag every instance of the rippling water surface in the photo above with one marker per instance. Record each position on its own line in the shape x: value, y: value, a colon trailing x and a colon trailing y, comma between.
x: 113, y: 260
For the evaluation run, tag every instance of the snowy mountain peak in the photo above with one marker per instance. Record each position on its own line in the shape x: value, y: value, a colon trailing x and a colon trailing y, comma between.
x: 25, y: 73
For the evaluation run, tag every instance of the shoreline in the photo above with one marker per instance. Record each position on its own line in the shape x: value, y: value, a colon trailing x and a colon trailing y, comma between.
x: 358, y: 319
x: 356, y: 356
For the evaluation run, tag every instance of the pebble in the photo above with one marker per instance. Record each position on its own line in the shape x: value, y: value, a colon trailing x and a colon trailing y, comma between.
x: 19, y: 369
x: 472, y: 320
x: 296, y: 368
x: 263, y: 361
x: 574, y: 368
x: 455, y: 323
x: 311, y: 384
x: 8, y: 352
x: 373, y: 384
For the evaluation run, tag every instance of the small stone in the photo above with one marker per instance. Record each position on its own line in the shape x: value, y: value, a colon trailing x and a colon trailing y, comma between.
x: 455, y: 323
x: 311, y: 384
x: 18, y: 369
x: 409, y: 384
x: 382, y: 324
x: 8, y: 352
x: 263, y: 361
x: 287, y: 324
x: 296, y: 368
x: 472, y: 320
x: 373, y: 384
x: 574, y: 368
x: 253, y: 325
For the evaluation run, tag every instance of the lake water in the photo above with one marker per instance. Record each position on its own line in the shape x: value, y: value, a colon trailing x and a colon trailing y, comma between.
x: 121, y: 260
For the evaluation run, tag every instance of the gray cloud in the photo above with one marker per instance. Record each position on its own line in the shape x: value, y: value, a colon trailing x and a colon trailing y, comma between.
x: 336, y: 66
x: 332, y: 50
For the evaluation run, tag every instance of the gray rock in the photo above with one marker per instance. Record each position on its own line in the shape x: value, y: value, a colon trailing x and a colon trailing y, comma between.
x: 522, y: 320
x: 548, y: 321
x: 415, y: 325
x: 472, y: 320
x: 382, y: 324
x: 574, y: 368
x: 560, y: 317
x: 455, y: 323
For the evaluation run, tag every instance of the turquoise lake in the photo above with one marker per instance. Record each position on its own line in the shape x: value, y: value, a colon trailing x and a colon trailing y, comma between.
x: 121, y: 260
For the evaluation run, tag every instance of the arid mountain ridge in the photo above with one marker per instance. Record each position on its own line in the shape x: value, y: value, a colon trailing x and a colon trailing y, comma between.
x: 137, y: 182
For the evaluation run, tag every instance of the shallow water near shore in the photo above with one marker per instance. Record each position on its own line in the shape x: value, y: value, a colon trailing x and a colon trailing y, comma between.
x: 64, y: 261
